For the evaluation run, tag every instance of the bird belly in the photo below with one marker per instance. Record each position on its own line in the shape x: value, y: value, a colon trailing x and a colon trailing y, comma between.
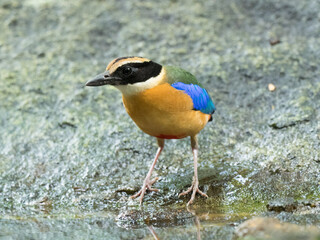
x: 164, y: 112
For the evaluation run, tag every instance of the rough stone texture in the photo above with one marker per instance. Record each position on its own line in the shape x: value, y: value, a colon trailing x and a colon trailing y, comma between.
x: 269, y: 228
x: 68, y: 152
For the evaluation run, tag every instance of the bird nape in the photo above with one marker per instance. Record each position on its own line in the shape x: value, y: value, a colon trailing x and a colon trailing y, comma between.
x: 165, y: 102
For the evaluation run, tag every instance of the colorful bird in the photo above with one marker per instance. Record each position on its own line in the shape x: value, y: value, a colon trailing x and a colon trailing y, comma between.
x: 165, y: 102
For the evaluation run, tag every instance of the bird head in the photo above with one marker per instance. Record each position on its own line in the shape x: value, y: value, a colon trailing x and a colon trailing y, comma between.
x: 130, y: 75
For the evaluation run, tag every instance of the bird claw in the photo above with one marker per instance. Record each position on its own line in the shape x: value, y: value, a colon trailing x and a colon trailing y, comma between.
x: 146, y: 186
x: 195, y: 189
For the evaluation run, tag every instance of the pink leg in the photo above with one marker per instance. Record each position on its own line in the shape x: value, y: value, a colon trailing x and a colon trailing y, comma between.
x: 147, y: 183
x: 195, y: 182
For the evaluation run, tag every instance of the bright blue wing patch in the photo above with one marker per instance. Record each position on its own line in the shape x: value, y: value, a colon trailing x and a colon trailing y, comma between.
x: 200, y: 97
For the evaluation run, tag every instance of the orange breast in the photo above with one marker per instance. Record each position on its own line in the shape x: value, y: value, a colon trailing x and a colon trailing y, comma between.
x: 165, y: 112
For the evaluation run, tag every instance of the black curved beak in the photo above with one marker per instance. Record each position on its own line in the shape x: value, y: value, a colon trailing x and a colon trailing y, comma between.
x: 103, y: 79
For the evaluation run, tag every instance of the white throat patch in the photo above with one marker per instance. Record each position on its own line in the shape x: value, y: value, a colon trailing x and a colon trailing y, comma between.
x: 132, y: 89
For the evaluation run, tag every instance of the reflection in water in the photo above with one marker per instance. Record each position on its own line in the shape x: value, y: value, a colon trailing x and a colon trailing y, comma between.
x: 154, y: 234
x: 196, y: 220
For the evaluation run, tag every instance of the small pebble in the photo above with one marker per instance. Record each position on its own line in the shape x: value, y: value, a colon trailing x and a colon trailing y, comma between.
x: 274, y: 41
x: 271, y: 87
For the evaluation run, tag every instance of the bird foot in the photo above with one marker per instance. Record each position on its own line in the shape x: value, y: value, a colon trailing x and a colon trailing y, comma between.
x: 195, y: 189
x: 146, y: 186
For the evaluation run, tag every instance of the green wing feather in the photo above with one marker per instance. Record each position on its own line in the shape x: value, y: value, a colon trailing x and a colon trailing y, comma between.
x: 176, y: 74
x: 185, y: 81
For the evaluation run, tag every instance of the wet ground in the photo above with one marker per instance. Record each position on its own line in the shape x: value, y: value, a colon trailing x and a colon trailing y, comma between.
x: 70, y: 156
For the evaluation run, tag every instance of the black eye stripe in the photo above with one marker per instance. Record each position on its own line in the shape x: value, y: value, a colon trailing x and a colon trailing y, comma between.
x: 141, y: 72
x: 139, y: 64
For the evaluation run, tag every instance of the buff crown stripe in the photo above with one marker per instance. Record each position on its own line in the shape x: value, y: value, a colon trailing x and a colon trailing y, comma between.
x: 118, y: 62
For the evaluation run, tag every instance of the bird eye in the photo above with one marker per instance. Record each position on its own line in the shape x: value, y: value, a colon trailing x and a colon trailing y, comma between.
x: 127, y: 71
